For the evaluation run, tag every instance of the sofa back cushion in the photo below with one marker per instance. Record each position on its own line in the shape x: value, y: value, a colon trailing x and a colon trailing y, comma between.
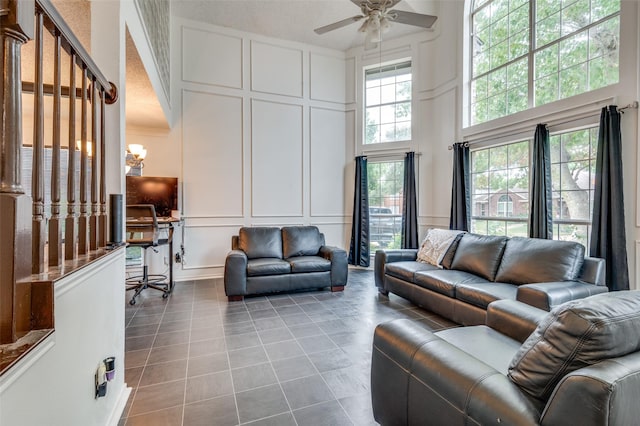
x: 575, y: 335
x: 301, y: 241
x: 259, y: 242
x: 479, y: 254
x: 533, y: 260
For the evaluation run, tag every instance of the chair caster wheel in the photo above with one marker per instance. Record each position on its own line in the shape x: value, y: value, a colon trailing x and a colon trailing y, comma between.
x: 132, y: 302
x: 165, y: 295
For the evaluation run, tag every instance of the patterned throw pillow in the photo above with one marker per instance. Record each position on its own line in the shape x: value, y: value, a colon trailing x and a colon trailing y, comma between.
x: 435, y: 245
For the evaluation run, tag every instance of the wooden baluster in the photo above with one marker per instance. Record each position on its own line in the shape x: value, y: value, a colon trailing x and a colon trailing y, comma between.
x: 93, y: 226
x: 83, y: 231
x: 37, y: 184
x: 16, y: 27
x: 103, y: 176
x: 70, y: 224
x: 55, y: 231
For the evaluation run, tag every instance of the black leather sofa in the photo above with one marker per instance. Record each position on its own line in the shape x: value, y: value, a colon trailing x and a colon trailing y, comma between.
x: 269, y: 259
x: 580, y: 366
x: 480, y: 269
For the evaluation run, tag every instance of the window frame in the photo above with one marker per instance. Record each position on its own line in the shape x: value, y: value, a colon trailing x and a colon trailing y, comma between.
x: 555, y: 107
x: 591, y: 127
x: 392, y: 144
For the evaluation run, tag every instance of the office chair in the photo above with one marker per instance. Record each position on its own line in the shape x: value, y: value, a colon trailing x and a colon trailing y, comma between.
x: 143, y: 232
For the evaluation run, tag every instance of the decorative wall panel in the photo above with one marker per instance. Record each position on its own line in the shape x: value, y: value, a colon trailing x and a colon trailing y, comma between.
x: 211, y: 58
x: 328, y: 134
x: 213, y: 243
x: 327, y: 80
x: 276, y: 159
x: 276, y: 69
x: 212, y: 153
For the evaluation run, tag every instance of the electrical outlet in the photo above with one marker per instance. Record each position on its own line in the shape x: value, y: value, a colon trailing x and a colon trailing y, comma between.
x: 178, y: 258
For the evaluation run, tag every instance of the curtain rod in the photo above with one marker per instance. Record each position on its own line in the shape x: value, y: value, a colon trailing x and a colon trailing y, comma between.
x: 632, y: 105
x: 465, y: 144
x: 389, y: 154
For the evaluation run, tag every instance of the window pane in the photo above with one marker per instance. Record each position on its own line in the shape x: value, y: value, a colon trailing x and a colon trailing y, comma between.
x: 373, y: 96
x: 573, y: 159
x: 586, y: 59
x: 385, y: 180
x: 500, y: 188
x: 388, y: 101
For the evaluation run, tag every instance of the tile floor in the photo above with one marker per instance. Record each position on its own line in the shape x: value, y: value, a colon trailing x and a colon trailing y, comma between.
x: 297, y: 359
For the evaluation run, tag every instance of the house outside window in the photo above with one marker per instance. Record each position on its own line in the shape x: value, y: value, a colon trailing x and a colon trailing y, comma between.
x: 527, y: 53
x: 500, y: 190
x: 388, y: 103
x: 500, y: 194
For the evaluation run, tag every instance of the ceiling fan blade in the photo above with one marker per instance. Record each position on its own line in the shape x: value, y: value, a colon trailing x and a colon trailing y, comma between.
x: 375, y: 4
x: 410, y: 18
x: 338, y: 24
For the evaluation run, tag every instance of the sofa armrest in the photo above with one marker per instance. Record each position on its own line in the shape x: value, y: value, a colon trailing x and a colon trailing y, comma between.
x: 600, y: 394
x: 593, y: 271
x: 514, y: 319
x: 388, y: 256
x: 235, y: 273
x: 415, y: 374
x: 338, y: 259
x: 549, y: 295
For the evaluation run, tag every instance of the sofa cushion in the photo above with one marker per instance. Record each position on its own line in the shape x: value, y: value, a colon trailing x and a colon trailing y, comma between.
x: 309, y: 264
x: 533, y: 260
x: 406, y: 270
x: 479, y: 254
x: 301, y: 241
x: 260, y: 241
x: 267, y: 266
x: 443, y: 281
x: 574, y: 335
x: 481, y: 294
x: 449, y: 255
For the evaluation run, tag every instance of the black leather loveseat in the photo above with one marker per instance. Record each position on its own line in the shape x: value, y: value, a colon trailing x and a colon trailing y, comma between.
x: 268, y: 260
x: 479, y: 269
x: 580, y: 366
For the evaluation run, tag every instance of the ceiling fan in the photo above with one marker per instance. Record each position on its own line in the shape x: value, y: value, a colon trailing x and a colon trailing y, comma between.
x: 378, y: 17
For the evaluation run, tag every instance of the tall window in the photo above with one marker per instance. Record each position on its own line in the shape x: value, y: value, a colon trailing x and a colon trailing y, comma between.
x: 500, y: 188
x: 521, y: 59
x: 386, y: 183
x: 573, y: 166
x: 388, y: 103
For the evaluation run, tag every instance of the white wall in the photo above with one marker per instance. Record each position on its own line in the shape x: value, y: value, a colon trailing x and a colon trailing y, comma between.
x: 259, y: 138
x: 54, y: 383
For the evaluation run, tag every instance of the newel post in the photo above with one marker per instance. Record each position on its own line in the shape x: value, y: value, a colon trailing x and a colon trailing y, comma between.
x: 16, y: 28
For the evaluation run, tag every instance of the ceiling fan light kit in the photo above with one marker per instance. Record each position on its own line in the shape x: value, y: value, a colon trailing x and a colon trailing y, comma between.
x: 377, y: 19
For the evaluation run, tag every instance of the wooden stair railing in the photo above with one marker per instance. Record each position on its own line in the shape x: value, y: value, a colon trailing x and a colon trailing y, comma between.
x: 37, y: 246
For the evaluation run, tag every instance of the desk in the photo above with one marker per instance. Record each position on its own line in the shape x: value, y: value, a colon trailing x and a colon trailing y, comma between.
x: 164, y: 223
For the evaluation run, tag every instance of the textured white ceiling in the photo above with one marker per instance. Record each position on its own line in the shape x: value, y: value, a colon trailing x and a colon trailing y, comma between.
x: 294, y: 19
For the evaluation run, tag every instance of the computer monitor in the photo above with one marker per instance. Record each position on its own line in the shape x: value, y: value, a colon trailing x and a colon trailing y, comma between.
x: 162, y: 192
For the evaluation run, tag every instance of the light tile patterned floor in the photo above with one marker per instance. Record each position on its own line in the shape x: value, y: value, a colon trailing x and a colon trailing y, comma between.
x: 297, y: 359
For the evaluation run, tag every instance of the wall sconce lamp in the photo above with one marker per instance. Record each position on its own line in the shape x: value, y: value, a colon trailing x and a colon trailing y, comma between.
x: 135, y: 156
x: 89, y: 147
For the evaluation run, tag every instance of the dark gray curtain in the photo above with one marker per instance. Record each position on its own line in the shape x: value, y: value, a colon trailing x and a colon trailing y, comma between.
x: 359, y: 247
x: 608, y: 238
x: 540, y: 219
x: 409, y: 204
x: 460, y: 218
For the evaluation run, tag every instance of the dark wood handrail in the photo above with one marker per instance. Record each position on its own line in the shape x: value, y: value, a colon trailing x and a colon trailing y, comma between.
x: 54, y: 23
